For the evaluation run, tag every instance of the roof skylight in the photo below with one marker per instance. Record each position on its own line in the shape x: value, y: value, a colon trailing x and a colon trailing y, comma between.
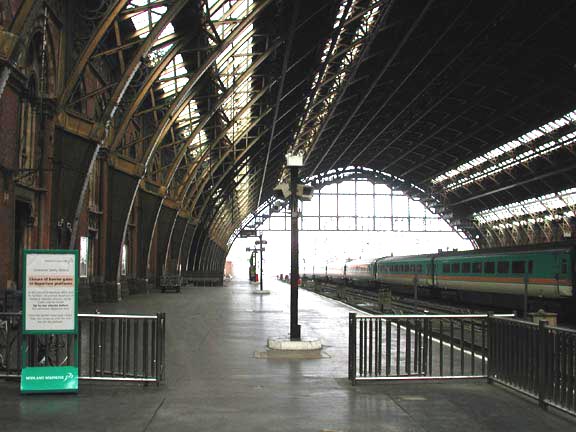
x: 559, y: 203
x: 495, y: 161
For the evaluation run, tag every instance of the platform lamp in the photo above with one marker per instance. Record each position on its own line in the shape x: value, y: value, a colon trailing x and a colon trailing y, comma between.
x: 260, y: 248
x: 294, y: 162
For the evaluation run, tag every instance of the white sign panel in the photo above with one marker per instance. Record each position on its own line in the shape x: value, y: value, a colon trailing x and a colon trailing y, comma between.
x: 50, y: 297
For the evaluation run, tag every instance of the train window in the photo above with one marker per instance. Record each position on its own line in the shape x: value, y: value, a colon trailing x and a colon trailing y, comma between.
x: 503, y: 267
x: 518, y: 267
x: 456, y: 268
x: 411, y: 268
x: 466, y: 267
x: 564, y: 266
x: 406, y: 268
x: 489, y: 267
x: 419, y: 268
x: 446, y: 268
x: 396, y: 268
x: 477, y: 267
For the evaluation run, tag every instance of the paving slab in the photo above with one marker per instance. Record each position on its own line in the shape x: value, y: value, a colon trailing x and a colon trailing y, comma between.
x: 216, y: 381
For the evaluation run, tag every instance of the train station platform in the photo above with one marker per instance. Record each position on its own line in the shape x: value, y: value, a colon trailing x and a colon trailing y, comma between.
x: 219, y: 379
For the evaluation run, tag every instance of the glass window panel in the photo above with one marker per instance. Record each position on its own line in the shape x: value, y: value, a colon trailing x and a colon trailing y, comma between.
x: 311, y: 208
x: 518, y: 267
x: 328, y: 223
x: 383, y: 224
x: 364, y: 187
x: 383, y: 206
x: 489, y: 267
x: 310, y: 223
x: 333, y: 188
x: 435, y: 224
x: 277, y: 222
x: 84, y: 247
x: 417, y: 224
x: 400, y: 205
x: 347, y: 223
x: 381, y: 189
x: 503, y: 266
x: 400, y: 224
x: 346, y: 205
x: 365, y: 223
x: 347, y: 187
x: 365, y: 205
x: 328, y: 205
x: 417, y: 209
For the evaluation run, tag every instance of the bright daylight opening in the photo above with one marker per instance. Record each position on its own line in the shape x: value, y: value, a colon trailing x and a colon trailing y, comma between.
x: 386, y: 222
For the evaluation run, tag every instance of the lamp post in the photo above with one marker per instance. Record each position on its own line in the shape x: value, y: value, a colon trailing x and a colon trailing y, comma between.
x: 294, y: 271
x: 261, y: 260
x: 294, y: 162
x: 259, y: 247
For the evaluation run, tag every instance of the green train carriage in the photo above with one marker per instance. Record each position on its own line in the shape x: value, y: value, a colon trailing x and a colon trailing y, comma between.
x: 546, y: 273
x: 405, y: 271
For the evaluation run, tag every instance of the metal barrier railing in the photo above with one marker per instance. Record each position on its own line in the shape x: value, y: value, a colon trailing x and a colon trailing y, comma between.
x: 408, y: 347
x: 110, y: 347
x: 10, y: 344
x: 535, y: 359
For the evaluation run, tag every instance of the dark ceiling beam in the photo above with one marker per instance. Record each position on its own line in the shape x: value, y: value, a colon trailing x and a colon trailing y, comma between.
x: 280, y: 92
x: 437, y: 101
x: 376, y: 80
x: 545, y: 22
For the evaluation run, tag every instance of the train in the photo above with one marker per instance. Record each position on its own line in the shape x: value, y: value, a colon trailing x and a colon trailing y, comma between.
x: 497, y: 276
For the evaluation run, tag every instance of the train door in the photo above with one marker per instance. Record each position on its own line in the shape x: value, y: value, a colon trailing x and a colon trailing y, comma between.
x: 564, y: 278
x: 560, y: 271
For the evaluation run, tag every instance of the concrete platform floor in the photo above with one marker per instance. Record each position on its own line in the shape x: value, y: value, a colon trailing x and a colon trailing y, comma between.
x: 216, y: 383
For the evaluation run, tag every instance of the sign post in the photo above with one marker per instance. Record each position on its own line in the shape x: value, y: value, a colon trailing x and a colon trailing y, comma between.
x: 50, y: 309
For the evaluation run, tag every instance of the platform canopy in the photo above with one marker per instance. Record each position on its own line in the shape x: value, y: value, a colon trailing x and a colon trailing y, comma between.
x: 471, y: 102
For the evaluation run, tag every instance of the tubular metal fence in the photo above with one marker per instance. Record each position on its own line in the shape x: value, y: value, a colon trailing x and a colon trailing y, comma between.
x: 407, y: 347
x: 110, y: 347
x: 535, y: 359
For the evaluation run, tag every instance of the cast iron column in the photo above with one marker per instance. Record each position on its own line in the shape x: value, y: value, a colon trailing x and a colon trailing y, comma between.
x: 294, y: 327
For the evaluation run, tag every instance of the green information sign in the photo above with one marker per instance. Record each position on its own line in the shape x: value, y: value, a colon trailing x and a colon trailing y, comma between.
x: 49, y: 379
x: 50, y: 294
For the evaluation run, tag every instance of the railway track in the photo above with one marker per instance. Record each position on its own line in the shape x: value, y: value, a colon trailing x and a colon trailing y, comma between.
x: 369, y: 301
x: 470, y: 333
